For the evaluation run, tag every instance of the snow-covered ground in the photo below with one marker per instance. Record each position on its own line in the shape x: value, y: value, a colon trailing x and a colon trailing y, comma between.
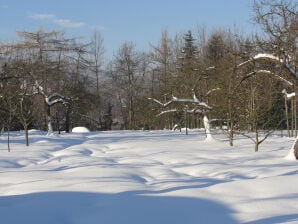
x: 135, y: 177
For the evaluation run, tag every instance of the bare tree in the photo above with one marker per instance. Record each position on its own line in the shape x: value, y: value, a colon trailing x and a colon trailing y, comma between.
x: 162, y: 58
x: 96, y: 56
x: 162, y: 72
x: 261, y: 61
x: 8, y: 97
x: 260, y: 113
x: 128, y: 71
x: 290, y: 97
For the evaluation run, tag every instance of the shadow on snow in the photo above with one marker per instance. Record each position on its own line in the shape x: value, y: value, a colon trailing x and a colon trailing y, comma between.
x: 128, y: 207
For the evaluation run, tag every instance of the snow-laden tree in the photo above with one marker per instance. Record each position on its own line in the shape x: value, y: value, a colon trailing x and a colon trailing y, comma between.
x: 279, y: 21
x: 50, y: 101
x: 193, y: 105
x: 282, y: 65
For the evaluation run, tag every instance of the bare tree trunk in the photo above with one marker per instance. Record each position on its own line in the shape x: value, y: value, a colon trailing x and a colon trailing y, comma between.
x: 231, y: 133
x: 295, y: 117
x: 296, y: 150
x: 130, y: 106
x: 186, y: 122
x: 293, y: 152
x: 231, y: 123
x: 287, y: 116
x: 8, y: 128
x: 49, y: 119
x: 45, y: 117
x: 8, y: 138
x: 130, y: 113
x: 26, y: 135
x: 257, y: 140
x: 296, y: 99
x: 67, y: 119
x: 207, y: 127
x: 292, y: 117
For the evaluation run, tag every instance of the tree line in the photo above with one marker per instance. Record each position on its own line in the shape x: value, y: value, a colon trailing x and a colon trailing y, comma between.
x: 51, y: 82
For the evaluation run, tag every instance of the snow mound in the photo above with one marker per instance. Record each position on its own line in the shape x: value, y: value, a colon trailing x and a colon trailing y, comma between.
x: 80, y: 130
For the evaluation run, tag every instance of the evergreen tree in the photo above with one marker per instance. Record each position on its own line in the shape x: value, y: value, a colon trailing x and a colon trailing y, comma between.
x: 187, y: 66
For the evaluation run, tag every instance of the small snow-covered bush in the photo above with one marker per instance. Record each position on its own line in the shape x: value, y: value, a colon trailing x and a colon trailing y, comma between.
x: 80, y: 130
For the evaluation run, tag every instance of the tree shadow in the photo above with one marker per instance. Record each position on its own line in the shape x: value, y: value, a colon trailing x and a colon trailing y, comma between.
x: 126, y: 208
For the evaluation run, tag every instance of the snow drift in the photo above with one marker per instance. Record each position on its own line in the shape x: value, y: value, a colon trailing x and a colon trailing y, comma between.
x: 146, y: 177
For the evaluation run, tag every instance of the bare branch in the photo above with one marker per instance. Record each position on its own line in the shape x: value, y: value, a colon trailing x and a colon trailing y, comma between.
x: 162, y: 104
x: 194, y: 111
x: 266, y: 72
x: 272, y: 58
x: 182, y: 100
x: 212, y: 90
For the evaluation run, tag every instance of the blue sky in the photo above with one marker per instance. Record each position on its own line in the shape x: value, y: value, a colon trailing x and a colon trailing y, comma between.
x: 138, y: 21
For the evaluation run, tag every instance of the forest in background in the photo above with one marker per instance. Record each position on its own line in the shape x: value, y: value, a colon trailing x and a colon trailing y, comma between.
x: 51, y: 82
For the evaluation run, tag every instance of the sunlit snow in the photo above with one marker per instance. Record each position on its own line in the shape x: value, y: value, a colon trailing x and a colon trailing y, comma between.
x: 146, y: 177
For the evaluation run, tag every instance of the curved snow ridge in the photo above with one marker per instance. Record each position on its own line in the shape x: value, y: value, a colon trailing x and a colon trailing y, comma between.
x: 11, y: 164
x: 74, y: 151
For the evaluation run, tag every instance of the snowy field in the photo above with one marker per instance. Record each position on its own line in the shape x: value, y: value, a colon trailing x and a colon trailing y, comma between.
x: 135, y: 177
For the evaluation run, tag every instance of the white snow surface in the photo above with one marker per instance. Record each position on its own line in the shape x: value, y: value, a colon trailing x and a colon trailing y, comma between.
x: 146, y: 177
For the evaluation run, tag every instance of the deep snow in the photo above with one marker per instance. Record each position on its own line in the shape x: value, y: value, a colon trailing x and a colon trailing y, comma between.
x: 154, y: 177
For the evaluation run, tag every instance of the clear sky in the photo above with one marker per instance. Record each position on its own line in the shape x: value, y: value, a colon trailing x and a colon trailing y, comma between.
x: 139, y: 21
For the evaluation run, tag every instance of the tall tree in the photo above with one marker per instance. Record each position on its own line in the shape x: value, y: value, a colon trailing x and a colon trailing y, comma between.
x: 187, y: 64
x: 279, y: 21
x: 162, y: 58
x: 127, y: 73
x: 96, y: 56
x: 162, y: 74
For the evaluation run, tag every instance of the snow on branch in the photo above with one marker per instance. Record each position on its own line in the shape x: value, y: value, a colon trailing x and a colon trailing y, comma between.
x: 271, y: 57
x: 207, y: 69
x: 288, y: 95
x: 212, y: 90
x: 266, y: 56
x: 261, y: 56
x: 53, y: 98
x: 193, y: 111
x: 56, y: 98
x: 267, y: 72
x: 210, y: 68
x: 195, y: 100
x: 162, y: 104
x: 166, y: 111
